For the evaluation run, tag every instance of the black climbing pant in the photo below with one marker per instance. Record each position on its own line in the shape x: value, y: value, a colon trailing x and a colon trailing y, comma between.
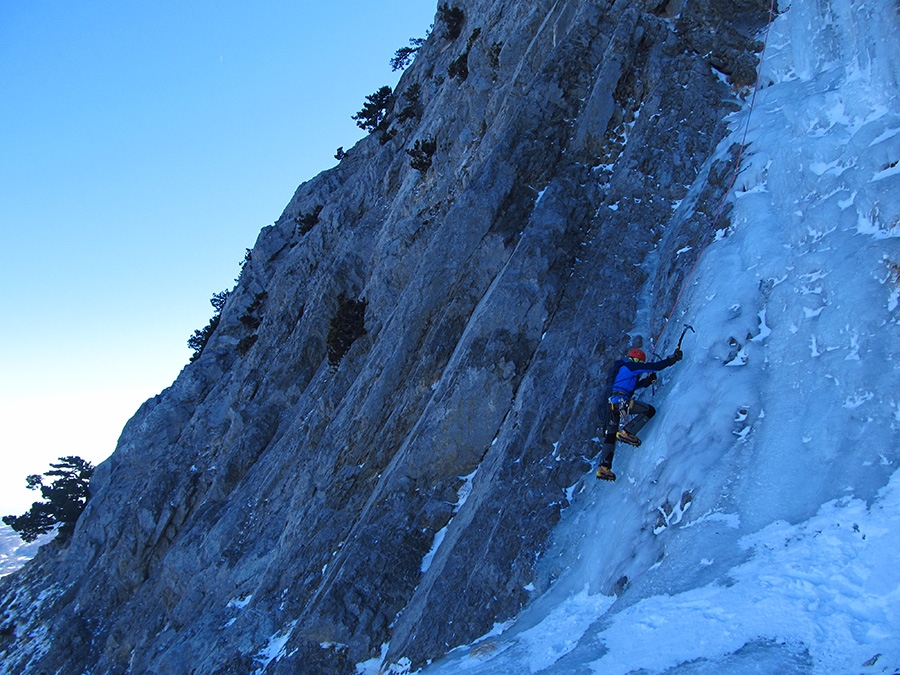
x: 642, y: 413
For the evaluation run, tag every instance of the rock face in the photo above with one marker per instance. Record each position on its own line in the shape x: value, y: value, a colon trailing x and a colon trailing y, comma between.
x: 370, y: 453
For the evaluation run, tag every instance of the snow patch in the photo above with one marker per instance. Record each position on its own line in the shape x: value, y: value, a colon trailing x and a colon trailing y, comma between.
x: 462, y: 494
x: 275, y: 649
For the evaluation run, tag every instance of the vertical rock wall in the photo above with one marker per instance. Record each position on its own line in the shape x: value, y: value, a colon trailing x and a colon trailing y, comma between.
x: 412, y: 356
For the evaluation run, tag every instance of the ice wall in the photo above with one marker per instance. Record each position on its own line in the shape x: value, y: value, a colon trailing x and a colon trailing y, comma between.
x: 756, y: 529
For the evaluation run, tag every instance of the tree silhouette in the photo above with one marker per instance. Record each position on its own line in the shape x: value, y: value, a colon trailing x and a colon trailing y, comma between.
x: 373, y: 116
x: 404, y: 55
x: 200, y: 337
x: 452, y: 18
x: 64, y: 500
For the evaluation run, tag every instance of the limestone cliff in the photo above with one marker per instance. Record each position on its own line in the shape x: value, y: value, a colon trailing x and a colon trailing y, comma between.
x: 409, y: 351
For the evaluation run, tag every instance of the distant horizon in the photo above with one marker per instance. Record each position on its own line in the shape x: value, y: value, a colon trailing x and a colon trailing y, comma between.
x: 144, y: 148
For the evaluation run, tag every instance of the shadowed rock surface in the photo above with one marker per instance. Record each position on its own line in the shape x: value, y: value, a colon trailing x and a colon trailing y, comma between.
x: 408, y: 351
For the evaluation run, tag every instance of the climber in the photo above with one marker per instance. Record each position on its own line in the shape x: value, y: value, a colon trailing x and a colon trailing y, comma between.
x: 626, y: 376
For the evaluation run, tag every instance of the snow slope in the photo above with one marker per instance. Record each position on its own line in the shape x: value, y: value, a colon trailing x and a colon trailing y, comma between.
x: 14, y: 552
x: 756, y: 530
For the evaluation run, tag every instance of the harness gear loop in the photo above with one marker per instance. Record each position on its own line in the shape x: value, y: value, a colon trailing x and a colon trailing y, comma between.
x: 619, y: 405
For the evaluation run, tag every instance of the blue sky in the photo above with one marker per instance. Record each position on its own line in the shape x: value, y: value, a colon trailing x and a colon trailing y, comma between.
x: 143, y: 145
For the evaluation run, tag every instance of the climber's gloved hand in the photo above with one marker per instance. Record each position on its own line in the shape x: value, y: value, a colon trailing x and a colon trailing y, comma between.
x: 677, y: 355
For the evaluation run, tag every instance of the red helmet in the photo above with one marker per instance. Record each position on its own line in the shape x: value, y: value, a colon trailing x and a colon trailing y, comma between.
x: 637, y: 355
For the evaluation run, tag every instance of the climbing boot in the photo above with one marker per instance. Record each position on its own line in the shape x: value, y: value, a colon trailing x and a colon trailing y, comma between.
x: 605, y: 473
x: 625, y: 437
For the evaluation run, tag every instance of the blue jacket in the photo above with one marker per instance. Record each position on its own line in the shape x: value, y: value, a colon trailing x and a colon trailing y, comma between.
x: 625, y: 375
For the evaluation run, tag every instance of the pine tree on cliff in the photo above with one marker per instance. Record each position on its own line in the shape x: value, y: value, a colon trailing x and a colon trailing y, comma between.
x: 65, y: 499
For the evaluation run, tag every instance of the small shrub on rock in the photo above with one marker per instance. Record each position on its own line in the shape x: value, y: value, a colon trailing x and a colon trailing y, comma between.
x: 373, y: 116
x: 198, y: 340
x: 421, y: 154
x: 452, y: 18
x: 307, y: 221
x: 412, y: 104
x: 404, y: 56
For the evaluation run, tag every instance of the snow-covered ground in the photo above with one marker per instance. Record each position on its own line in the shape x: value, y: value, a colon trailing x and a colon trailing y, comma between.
x: 758, y: 527
x: 14, y: 552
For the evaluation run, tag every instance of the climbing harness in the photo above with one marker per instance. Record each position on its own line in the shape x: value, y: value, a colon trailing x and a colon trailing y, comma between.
x: 619, y: 407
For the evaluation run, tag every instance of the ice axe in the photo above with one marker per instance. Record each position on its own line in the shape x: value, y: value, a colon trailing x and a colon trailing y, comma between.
x: 687, y: 327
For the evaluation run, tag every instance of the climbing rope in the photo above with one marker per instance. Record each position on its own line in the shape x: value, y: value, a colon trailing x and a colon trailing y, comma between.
x: 734, y: 174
